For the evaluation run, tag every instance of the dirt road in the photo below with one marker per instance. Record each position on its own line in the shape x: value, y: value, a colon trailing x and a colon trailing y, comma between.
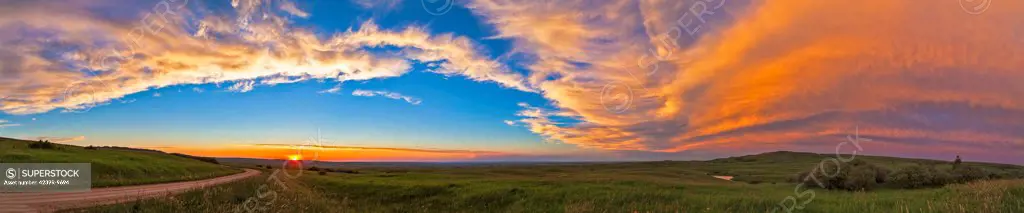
x: 53, y: 201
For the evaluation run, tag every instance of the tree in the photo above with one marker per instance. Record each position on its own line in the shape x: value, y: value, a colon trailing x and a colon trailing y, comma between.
x: 956, y: 163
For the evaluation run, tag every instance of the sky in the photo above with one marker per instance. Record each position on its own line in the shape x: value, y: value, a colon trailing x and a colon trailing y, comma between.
x: 517, y: 80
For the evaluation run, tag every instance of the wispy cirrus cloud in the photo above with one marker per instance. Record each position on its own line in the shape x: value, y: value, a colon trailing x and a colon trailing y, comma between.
x: 381, y: 5
x: 6, y: 123
x: 333, y: 90
x: 243, y: 86
x: 386, y: 94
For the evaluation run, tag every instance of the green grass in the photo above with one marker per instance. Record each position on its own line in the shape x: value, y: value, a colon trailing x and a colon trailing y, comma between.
x: 230, y: 198
x: 630, y: 187
x: 115, y: 167
x: 782, y: 166
x: 669, y: 186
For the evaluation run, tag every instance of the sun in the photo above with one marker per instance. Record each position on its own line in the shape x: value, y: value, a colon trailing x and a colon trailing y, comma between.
x: 294, y: 157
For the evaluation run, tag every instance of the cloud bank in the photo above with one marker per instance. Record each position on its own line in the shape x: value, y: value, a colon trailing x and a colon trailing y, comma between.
x: 671, y: 76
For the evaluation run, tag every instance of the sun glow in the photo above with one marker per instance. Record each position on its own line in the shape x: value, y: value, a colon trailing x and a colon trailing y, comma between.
x: 294, y: 157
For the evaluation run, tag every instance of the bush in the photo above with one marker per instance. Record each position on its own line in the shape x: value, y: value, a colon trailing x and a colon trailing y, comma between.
x: 314, y: 169
x: 881, y: 174
x: 918, y: 176
x: 964, y: 174
x: 853, y: 175
x: 323, y: 172
x: 347, y: 171
x: 860, y: 178
x: 203, y: 159
x: 42, y: 145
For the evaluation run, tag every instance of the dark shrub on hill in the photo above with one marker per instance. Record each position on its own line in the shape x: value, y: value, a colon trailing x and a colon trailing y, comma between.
x: 881, y: 174
x: 860, y: 178
x: 203, y: 159
x: 919, y: 176
x: 964, y: 174
x: 314, y: 169
x: 852, y: 176
x: 347, y: 171
x: 42, y: 145
x: 323, y: 172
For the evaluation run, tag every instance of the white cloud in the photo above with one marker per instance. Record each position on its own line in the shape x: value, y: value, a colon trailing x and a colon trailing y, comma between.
x: 6, y: 123
x: 386, y: 94
x: 381, y: 5
x: 333, y: 90
x: 511, y: 123
x: 290, y: 8
x: 242, y: 86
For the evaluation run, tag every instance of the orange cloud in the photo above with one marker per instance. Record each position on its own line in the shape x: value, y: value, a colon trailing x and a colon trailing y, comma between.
x: 780, y: 74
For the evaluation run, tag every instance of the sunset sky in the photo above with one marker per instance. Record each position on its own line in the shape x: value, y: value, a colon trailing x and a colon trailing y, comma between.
x: 517, y: 80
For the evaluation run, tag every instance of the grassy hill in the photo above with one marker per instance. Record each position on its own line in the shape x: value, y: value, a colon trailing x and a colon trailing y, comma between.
x: 663, y: 186
x: 114, y: 166
x: 782, y: 166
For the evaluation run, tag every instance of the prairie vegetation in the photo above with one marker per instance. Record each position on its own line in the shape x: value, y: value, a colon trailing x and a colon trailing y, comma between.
x: 666, y: 186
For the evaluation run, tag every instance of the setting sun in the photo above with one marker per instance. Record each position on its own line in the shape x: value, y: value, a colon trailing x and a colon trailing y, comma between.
x: 294, y: 157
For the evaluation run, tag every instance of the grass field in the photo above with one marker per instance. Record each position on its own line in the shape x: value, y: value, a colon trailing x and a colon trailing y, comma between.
x: 111, y: 167
x: 669, y: 186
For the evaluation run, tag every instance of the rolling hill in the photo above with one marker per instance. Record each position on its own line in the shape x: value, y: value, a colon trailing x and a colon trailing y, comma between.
x: 112, y: 166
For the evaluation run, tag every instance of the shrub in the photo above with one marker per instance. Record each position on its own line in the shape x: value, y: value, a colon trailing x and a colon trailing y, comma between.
x: 314, y: 169
x: 323, y: 172
x: 347, y: 171
x: 919, y: 176
x: 964, y: 174
x: 853, y: 175
x: 881, y: 174
x: 203, y: 159
x: 860, y: 178
x: 42, y: 145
